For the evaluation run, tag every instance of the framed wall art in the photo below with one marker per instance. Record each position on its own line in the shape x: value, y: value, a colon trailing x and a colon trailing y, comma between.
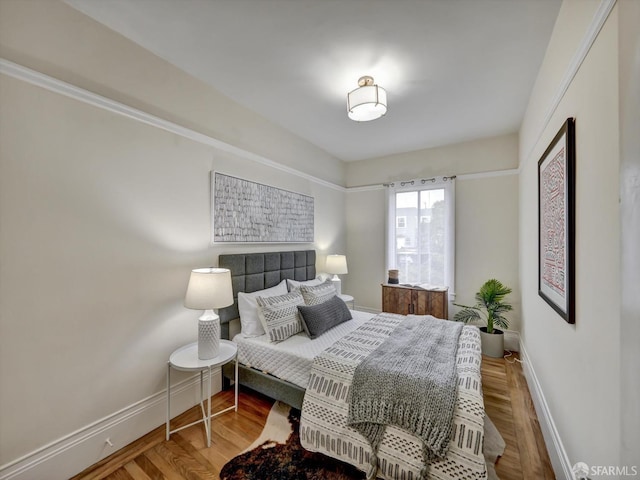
x: 250, y: 212
x: 556, y: 222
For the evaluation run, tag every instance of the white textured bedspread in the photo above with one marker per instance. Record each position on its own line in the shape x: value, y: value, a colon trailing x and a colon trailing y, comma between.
x: 323, y: 423
x: 291, y: 359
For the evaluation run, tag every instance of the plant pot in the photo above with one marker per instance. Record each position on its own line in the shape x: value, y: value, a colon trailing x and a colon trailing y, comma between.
x: 492, y: 343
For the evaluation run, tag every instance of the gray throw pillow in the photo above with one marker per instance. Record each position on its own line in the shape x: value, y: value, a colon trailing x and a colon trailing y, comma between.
x: 317, y: 319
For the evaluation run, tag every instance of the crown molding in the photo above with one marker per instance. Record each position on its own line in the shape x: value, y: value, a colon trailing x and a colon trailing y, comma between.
x: 491, y: 174
x: 597, y: 22
x: 63, y: 88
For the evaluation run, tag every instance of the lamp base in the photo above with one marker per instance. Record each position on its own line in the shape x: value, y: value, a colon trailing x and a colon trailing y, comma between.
x: 208, y: 335
x: 337, y: 284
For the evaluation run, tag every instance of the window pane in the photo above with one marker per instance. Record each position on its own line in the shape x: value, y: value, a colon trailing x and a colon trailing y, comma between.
x: 407, y: 200
x: 420, y: 236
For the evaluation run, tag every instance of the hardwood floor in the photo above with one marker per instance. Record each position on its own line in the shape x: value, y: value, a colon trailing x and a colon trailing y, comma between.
x: 508, y: 403
x: 185, y: 456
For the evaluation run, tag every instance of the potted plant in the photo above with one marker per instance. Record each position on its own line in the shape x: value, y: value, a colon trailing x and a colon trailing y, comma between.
x: 490, y: 309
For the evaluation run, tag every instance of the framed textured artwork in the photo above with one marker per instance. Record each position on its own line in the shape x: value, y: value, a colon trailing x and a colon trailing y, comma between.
x: 556, y: 222
x: 250, y: 212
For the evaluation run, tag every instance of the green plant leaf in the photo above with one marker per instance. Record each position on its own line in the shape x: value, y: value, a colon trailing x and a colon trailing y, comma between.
x: 467, y: 315
x: 491, y: 301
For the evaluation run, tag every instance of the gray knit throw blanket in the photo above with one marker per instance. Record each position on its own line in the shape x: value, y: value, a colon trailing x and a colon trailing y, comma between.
x: 409, y: 381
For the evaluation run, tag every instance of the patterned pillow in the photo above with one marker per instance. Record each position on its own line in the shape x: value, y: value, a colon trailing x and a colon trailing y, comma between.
x: 280, y: 315
x: 318, y: 294
x: 317, y: 319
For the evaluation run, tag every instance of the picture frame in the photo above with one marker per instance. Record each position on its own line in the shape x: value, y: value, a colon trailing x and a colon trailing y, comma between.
x: 244, y: 211
x: 556, y: 222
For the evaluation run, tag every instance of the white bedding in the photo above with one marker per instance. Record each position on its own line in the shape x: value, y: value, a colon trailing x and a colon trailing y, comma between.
x: 291, y: 360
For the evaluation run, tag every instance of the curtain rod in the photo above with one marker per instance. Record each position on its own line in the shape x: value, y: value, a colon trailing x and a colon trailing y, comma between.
x: 422, y: 181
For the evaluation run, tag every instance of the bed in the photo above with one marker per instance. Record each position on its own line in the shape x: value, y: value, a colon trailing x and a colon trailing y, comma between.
x: 332, y: 358
x: 251, y: 273
x: 324, y: 428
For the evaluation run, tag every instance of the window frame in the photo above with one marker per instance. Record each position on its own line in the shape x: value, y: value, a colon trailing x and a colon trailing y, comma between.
x: 446, y: 183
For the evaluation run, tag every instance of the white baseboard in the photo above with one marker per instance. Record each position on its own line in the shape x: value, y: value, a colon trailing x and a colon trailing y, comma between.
x: 557, y: 454
x: 69, y: 455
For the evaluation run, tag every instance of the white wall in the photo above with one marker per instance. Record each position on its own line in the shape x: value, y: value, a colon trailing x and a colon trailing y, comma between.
x: 629, y: 44
x: 482, y: 155
x: 102, y: 218
x: 487, y: 238
x: 365, y: 248
x: 486, y: 216
x: 577, y: 366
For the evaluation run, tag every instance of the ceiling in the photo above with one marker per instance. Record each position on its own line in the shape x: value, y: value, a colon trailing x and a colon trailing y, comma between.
x: 454, y: 70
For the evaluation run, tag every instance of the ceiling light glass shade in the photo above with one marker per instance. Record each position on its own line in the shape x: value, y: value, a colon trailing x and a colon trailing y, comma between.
x: 367, y: 102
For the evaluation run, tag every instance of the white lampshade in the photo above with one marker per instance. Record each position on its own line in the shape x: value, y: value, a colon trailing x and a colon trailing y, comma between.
x: 209, y: 288
x: 336, y: 264
x: 367, y: 102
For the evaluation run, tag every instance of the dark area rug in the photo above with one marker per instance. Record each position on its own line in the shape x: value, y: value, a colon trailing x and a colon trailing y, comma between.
x: 288, y: 461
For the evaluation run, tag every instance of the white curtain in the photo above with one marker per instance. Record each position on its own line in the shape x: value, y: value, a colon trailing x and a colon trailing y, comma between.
x: 404, y: 225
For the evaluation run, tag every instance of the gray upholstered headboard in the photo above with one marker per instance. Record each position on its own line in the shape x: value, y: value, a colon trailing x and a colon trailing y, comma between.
x: 256, y: 271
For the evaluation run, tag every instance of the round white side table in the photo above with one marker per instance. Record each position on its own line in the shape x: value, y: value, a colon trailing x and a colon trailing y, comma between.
x: 186, y: 359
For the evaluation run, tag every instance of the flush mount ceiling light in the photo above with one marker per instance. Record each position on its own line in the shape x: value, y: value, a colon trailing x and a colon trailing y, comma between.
x: 367, y: 102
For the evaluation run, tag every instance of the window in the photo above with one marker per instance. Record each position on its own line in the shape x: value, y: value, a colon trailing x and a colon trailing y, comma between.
x: 423, y: 251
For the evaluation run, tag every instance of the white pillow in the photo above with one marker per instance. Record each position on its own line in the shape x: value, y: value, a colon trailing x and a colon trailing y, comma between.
x: 250, y: 323
x: 293, y: 284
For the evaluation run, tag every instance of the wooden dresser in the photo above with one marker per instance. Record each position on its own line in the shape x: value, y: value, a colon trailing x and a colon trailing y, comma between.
x: 405, y: 300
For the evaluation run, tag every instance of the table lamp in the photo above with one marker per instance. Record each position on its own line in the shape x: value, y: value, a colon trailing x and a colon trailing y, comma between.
x: 337, y: 265
x: 209, y: 289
